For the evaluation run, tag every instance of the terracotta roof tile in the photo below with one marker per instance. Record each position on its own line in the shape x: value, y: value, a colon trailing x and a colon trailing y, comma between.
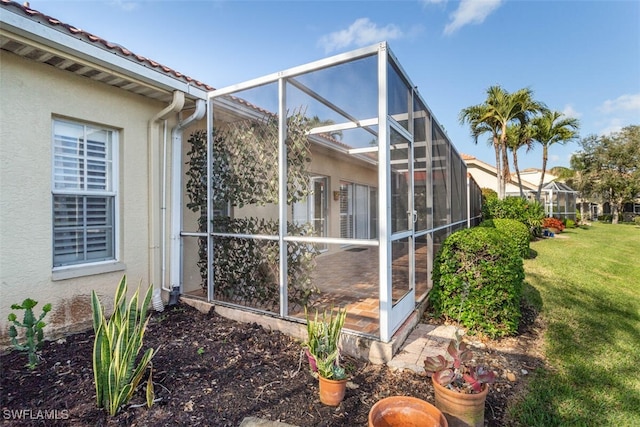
x: 103, y: 44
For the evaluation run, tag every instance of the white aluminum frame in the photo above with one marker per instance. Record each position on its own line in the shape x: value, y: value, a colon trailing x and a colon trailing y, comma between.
x: 391, y: 317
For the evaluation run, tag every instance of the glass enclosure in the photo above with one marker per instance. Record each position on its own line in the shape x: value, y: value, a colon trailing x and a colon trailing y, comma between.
x: 329, y: 184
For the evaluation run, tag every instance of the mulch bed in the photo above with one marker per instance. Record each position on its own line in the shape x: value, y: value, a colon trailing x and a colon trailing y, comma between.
x: 212, y: 371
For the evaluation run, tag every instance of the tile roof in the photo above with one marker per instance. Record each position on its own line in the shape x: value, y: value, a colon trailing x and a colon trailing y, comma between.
x: 97, y: 41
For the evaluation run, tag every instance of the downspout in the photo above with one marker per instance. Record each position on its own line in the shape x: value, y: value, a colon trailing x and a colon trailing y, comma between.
x: 175, y: 255
x: 152, y: 133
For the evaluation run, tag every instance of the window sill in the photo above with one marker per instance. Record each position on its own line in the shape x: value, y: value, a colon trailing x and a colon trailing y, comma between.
x: 86, y: 270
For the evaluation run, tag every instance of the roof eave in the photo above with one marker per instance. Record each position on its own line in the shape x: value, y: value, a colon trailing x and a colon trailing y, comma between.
x: 47, y: 36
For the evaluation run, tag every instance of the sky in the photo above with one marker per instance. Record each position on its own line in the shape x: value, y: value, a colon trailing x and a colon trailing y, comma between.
x: 579, y: 57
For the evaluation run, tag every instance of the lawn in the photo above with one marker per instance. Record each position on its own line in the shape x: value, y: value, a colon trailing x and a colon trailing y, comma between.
x: 587, y: 282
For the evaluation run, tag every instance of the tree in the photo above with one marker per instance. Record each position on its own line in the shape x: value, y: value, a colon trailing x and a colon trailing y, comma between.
x: 563, y: 173
x: 315, y: 122
x: 608, y: 167
x: 493, y: 116
x: 552, y: 128
x: 519, y: 136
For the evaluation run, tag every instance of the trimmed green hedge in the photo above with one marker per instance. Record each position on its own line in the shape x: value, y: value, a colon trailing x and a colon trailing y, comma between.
x: 478, y: 277
x: 528, y: 212
x: 512, y: 229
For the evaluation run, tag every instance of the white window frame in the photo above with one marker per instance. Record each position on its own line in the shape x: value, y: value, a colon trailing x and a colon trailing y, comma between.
x: 65, y: 270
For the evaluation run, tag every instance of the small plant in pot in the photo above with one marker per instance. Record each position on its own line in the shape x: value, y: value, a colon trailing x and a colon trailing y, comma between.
x: 460, y: 388
x: 322, y: 347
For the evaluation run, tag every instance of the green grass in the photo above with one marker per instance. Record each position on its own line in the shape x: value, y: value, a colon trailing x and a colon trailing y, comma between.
x: 588, y: 288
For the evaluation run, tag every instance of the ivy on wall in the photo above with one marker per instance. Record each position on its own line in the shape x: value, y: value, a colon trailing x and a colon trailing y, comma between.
x: 245, y: 173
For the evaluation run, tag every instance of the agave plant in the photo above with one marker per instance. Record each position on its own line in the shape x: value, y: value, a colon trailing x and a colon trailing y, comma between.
x: 117, y: 344
x: 453, y: 370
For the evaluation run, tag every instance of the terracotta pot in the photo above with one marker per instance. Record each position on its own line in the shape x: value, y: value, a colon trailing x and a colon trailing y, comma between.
x: 461, y: 409
x: 405, y: 411
x: 332, y: 391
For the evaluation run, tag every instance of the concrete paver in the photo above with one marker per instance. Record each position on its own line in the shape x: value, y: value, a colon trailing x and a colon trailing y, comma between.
x: 425, y: 340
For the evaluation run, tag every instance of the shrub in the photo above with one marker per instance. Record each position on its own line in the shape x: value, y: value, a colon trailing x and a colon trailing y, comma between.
x: 636, y: 220
x: 553, y: 223
x: 528, y: 212
x: 488, y: 193
x: 477, y: 279
x: 116, y: 346
x: 514, y: 230
x: 569, y: 223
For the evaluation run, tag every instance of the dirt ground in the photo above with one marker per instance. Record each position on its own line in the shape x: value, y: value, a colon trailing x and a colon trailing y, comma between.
x: 211, y: 371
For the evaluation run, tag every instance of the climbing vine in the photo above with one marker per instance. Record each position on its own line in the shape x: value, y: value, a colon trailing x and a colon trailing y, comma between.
x: 244, y: 172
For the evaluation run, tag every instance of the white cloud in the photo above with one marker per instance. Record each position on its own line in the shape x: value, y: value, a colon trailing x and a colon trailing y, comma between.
x: 125, y: 5
x: 618, y: 113
x: 612, y: 125
x: 361, y: 33
x: 569, y: 111
x: 471, y: 12
x: 625, y: 102
x: 428, y: 2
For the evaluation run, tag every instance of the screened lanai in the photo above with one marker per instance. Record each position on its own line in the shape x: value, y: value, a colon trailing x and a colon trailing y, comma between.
x: 559, y: 200
x: 329, y: 184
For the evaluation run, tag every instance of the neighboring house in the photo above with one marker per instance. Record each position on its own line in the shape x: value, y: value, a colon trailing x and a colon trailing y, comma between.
x: 485, y: 176
x: 94, y: 151
x: 559, y: 200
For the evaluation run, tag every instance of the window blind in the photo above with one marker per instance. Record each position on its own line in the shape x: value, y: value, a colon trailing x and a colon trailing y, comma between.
x: 83, y: 200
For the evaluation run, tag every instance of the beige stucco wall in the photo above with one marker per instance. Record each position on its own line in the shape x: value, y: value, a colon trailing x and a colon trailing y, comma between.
x: 340, y: 167
x: 486, y: 179
x: 33, y: 94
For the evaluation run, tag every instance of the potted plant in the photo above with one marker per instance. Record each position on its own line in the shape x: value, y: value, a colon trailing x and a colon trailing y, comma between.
x: 324, y: 354
x: 460, y: 388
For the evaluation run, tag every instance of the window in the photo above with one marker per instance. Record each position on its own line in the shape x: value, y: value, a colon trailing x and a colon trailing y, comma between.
x: 84, y: 195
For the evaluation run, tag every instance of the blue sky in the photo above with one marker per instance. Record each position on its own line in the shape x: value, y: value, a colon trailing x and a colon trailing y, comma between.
x: 579, y: 57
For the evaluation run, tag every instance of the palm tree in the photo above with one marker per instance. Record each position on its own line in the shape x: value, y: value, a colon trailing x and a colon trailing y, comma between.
x: 499, y: 110
x: 315, y: 121
x: 552, y: 127
x: 519, y: 136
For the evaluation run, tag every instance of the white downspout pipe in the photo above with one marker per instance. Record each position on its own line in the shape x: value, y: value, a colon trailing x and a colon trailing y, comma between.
x: 152, y: 134
x: 175, y: 254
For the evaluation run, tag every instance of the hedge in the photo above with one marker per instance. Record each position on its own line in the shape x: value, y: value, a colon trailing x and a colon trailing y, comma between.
x: 477, y: 279
x: 514, y: 230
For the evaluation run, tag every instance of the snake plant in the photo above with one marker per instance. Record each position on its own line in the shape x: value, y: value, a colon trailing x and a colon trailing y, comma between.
x: 116, y: 346
x: 323, y: 336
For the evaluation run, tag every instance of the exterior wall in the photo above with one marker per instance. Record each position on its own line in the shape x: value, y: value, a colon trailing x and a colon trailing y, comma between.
x: 487, y: 179
x: 32, y: 94
x: 338, y: 168
x: 484, y: 178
